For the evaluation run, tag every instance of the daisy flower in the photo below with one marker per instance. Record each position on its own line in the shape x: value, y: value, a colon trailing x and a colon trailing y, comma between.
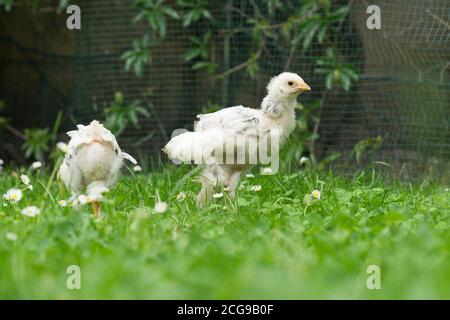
x: 36, y: 165
x: 31, y: 211
x: 13, y: 195
x: 181, y: 196
x: 316, y: 194
x: 62, y: 203
x: 218, y: 195
x: 160, y: 207
x: 25, y: 179
x: 11, y: 236
x: 256, y: 188
x: 63, y: 147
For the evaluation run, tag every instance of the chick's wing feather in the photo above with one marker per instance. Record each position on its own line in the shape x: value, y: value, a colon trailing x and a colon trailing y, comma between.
x: 235, y: 119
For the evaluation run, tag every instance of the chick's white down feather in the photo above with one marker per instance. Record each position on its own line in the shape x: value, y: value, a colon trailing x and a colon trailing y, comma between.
x: 93, y: 160
x: 242, y: 128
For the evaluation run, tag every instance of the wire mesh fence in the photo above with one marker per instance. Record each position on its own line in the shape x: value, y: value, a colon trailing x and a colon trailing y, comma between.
x: 402, y: 94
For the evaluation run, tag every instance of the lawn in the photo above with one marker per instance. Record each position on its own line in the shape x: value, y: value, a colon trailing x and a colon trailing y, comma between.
x: 269, y: 244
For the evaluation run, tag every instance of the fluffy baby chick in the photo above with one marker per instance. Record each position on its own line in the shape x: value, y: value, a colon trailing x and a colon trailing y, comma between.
x: 242, y: 128
x: 92, y: 162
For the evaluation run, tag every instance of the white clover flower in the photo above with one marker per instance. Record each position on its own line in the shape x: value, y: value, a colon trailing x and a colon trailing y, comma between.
x: 316, y: 194
x: 11, y: 236
x: 36, y: 165
x: 249, y: 175
x: 25, y: 179
x: 63, y: 147
x: 256, y: 188
x: 267, y: 170
x: 137, y: 168
x: 303, y: 160
x: 218, y: 195
x: 13, y: 195
x: 63, y: 203
x: 161, y: 207
x: 181, y: 196
x: 31, y: 211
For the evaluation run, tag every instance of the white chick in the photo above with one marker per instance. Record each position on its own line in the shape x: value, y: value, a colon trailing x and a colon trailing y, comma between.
x: 241, y: 127
x: 92, y: 162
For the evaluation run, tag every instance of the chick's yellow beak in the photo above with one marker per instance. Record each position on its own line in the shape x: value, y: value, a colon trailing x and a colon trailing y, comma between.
x: 302, y: 87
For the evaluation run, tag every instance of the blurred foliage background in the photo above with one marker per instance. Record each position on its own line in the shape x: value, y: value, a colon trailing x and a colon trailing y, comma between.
x: 146, y: 67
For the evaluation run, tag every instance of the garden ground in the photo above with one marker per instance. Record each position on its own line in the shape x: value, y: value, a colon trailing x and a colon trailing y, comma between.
x: 275, y: 243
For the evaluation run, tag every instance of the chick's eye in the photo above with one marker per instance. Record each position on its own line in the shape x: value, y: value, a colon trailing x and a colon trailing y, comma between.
x: 290, y: 83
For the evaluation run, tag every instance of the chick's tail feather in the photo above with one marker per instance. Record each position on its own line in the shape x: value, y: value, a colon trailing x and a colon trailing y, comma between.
x: 129, y: 158
x: 96, y: 189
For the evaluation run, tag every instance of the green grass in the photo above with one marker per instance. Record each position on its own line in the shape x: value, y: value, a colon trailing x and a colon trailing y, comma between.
x: 268, y: 244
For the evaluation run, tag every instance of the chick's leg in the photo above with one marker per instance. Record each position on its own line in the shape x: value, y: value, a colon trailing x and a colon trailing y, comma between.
x: 205, y: 194
x: 233, y: 182
x: 208, y: 180
x: 95, y: 208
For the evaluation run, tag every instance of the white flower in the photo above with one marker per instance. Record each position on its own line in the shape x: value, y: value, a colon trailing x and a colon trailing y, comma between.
x: 1, y: 164
x: 218, y: 195
x: 31, y: 211
x: 267, y: 170
x: 11, y: 236
x: 25, y: 179
x: 137, y: 168
x: 181, y: 196
x: 62, y: 203
x: 256, y: 188
x: 63, y: 147
x: 316, y: 194
x: 303, y: 160
x: 161, y: 207
x: 226, y: 189
x: 13, y: 195
x: 36, y: 165
x: 249, y: 175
